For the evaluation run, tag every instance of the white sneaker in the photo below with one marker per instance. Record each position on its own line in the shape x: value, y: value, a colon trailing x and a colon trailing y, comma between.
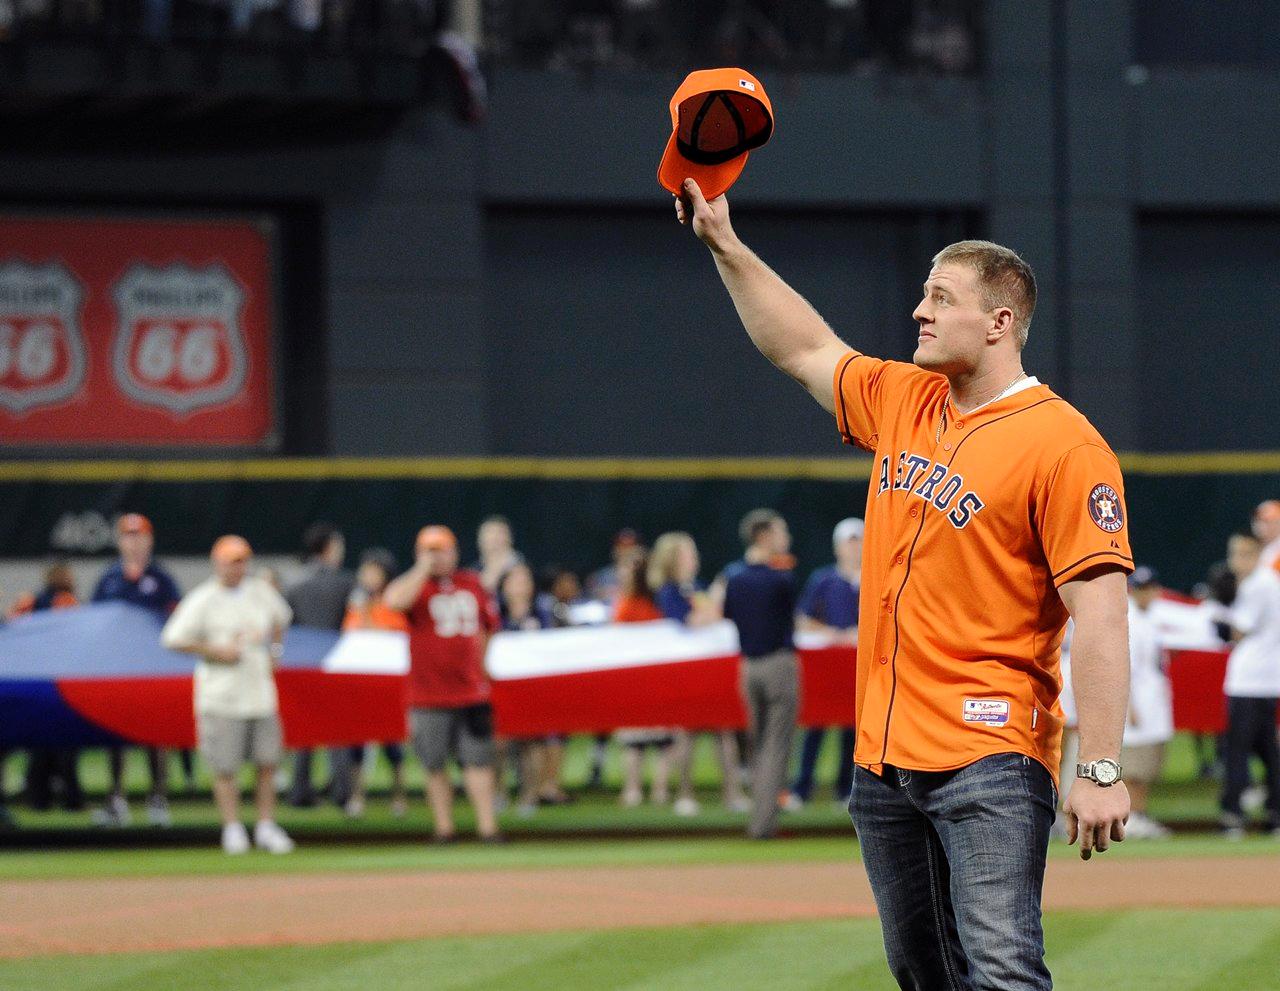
x: 114, y: 814
x: 686, y: 808
x: 739, y: 803
x: 158, y: 811
x: 270, y: 837
x: 631, y: 797
x: 1252, y: 798
x: 354, y: 809
x: 235, y: 838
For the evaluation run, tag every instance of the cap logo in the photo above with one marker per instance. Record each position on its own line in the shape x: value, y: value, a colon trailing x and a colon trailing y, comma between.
x: 747, y: 84
x: 1105, y: 509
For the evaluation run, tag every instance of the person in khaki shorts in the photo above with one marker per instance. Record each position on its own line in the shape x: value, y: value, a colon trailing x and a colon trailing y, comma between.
x: 234, y: 623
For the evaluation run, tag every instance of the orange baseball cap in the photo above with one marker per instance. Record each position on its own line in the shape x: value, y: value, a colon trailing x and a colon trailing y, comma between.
x: 717, y: 117
x: 231, y: 548
x: 133, y: 523
x: 1268, y: 511
x: 435, y: 537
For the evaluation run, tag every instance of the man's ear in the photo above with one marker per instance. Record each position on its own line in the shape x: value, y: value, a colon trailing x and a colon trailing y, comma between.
x: 1001, y: 324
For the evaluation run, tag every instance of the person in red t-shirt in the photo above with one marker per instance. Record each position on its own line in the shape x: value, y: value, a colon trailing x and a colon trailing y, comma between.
x: 450, y: 619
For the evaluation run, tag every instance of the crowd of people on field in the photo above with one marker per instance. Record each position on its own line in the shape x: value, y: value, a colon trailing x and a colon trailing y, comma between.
x: 233, y: 625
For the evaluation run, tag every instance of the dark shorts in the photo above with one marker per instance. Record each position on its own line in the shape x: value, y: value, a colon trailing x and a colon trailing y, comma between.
x: 465, y: 734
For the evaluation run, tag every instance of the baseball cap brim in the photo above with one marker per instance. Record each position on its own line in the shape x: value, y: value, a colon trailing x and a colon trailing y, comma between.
x: 711, y: 179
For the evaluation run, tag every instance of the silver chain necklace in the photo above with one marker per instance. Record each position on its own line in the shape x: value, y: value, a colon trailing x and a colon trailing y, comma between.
x: 947, y: 402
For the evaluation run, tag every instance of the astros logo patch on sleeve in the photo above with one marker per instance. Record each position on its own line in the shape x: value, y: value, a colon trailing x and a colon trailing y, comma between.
x: 1105, y: 509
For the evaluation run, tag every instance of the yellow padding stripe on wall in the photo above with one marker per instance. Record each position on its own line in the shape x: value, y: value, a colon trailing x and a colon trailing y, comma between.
x: 583, y: 469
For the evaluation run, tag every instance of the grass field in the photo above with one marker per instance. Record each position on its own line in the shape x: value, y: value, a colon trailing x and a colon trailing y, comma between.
x: 1169, y: 949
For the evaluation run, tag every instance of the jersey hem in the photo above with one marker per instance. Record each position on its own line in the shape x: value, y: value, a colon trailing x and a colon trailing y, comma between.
x: 1053, y: 771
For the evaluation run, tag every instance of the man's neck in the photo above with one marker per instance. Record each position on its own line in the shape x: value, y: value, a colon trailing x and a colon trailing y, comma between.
x: 757, y: 555
x: 970, y: 390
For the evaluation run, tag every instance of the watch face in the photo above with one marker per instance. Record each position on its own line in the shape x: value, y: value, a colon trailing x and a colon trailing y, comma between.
x: 1105, y: 772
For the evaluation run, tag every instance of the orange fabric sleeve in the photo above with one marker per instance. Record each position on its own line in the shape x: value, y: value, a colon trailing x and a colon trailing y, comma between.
x: 863, y: 388
x: 1080, y: 514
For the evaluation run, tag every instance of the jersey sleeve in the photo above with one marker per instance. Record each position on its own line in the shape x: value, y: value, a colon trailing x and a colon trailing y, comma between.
x: 186, y: 624
x: 810, y: 603
x: 864, y: 388
x: 1080, y: 514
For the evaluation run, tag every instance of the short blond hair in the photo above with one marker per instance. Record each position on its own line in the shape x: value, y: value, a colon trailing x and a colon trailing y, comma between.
x: 662, y: 561
x: 1004, y: 279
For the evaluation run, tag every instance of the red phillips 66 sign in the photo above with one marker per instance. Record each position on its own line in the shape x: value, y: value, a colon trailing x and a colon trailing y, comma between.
x: 136, y: 332
x: 42, y: 351
x: 178, y: 340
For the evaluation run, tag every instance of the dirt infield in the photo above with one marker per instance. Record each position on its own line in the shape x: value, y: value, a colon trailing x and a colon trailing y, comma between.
x: 138, y: 914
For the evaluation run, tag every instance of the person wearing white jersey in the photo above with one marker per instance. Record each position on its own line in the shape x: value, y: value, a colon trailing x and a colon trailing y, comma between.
x: 1150, y: 722
x: 234, y: 624
x: 1253, y: 693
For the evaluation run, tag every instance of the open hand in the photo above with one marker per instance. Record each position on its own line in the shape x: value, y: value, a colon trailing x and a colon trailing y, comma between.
x: 710, y: 220
x: 1095, y: 815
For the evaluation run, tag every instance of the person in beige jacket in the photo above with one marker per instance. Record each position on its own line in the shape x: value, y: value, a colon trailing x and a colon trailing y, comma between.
x: 234, y: 624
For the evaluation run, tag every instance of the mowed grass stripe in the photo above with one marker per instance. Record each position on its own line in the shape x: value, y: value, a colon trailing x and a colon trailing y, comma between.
x: 1171, y: 950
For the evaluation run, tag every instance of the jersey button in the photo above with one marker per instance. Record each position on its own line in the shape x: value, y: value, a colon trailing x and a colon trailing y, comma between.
x: 884, y: 660
x: 914, y: 511
x: 959, y: 426
x: 888, y: 607
x: 946, y: 447
x: 898, y: 559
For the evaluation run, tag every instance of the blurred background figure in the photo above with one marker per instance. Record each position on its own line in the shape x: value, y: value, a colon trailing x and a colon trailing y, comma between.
x: 1150, y: 723
x: 497, y: 552
x: 605, y: 584
x: 319, y: 599
x: 1252, y: 687
x: 540, y: 760
x: 635, y: 604
x: 137, y: 579
x: 678, y: 592
x: 760, y: 599
x: 53, y: 773
x: 234, y: 624
x: 829, y: 608
x: 451, y: 617
x: 368, y: 611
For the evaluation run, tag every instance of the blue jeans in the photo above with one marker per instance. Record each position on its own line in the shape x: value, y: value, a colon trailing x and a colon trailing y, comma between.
x: 956, y: 863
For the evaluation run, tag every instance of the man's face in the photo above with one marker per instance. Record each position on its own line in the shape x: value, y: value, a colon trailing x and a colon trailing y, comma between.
x: 953, y: 323
x: 441, y: 561
x: 371, y: 578
x: 1145, y: 595
x: 1266, y: 528
x: 849, y: 553
x: 1242, y: 556
x: 779, y: 538
x: 231, y: 573
x: 135, y: 545
x: 493, y: 538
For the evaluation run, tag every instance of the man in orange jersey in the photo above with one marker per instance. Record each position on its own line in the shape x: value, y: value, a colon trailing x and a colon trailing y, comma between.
x: 995, y: 510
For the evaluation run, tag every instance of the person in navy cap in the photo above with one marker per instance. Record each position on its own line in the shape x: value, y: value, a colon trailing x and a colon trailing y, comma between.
x: 136, y: 578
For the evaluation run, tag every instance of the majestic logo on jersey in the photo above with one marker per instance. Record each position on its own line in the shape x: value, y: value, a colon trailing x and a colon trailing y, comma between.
x: 1105, y: 508
x: 178, y: 344
x: 42, y: 352
x: 935, y: 484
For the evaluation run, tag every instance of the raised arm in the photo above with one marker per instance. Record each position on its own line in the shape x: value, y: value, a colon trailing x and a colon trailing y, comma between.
x: 403, y: 592
x: 1099, y: 605
x: 781, y: 323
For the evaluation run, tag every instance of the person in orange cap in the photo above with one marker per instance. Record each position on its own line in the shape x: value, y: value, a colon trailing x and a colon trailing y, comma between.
x: 234, y: 624
x: 451, y: 617
x: 1266, y: 527
x: 136, y: 578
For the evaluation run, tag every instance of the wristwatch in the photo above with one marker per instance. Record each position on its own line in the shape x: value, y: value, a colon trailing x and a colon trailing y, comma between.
x: 1103, y: 772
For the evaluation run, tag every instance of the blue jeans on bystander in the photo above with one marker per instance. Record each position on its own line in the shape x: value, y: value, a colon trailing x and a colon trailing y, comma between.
x: 956, y: 862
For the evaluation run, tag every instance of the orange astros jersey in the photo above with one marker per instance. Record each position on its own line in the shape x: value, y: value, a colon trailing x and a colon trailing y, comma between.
x: 973, y: 522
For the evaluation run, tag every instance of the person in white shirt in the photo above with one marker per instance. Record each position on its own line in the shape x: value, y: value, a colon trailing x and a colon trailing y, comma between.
x: 1253, y: 693
x: 1150, y: 722
x: 234, y: 624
